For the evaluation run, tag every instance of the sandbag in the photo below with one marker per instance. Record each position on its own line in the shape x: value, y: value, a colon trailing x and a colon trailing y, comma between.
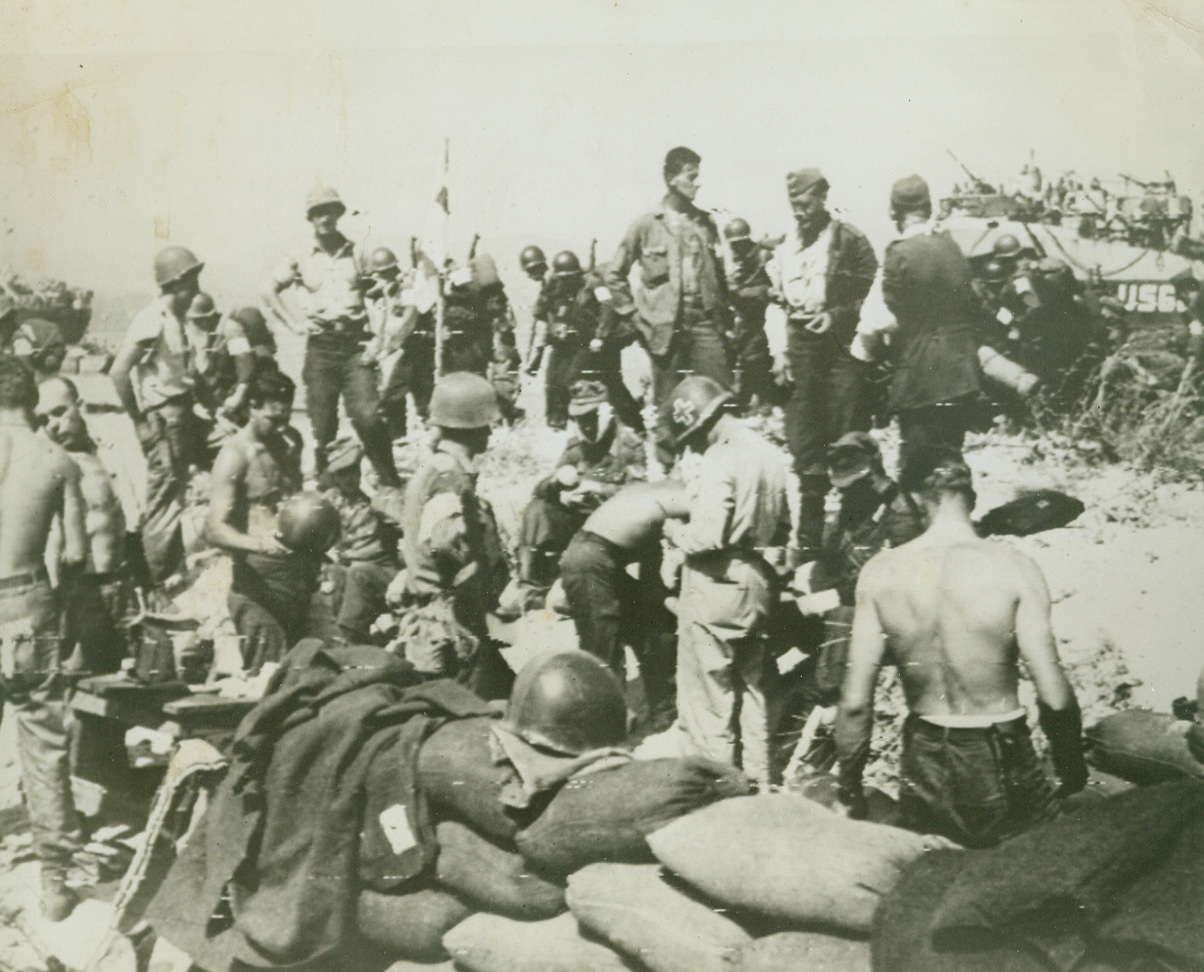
x: 605, y: 816
x: 410, y: 926
x: 634, y: 910
x: 456, y: 771
x: 1143, y: 747
x: 788, y: 859
x: 492, y: 878
x: 490, y: 943
x: 802, y: 952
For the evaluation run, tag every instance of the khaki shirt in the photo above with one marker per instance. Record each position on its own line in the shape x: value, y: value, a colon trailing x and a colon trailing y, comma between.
x: 167, y: 368
x: 737, y: 499
x: 329, y: 285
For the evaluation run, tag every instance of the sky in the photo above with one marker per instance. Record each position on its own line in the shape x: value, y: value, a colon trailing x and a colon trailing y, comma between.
x: 129, y: 125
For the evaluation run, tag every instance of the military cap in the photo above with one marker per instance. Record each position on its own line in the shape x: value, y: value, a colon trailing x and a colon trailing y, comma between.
x: 910, y: 193
x: 804, y: 181
x: 587, y: 396
x: 851, y: 457
x: 344, y: 453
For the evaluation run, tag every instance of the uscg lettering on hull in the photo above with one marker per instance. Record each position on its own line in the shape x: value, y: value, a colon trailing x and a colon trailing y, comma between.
x: 1149, y: 298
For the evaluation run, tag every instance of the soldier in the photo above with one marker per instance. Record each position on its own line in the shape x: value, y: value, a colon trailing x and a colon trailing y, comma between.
x: 40, y: 345
x: 403, y: 326
x: 678, y: 307
x: 821, y: 275
x: 366, y: 556
x: 155, y: 378
x: 725, y: 676
x: 611, y: 608
x: 748, y: 286
x: 235, y: 346
x: 968, y: 767
x: 534, y: 263
x: 601, y: 457
x: 256, y: 471
x: 328, y: 278
x: 455, y: 567
x: 100, y: 598
x: 926, y: 285
x: 569, y: 313
x: 38, y: 482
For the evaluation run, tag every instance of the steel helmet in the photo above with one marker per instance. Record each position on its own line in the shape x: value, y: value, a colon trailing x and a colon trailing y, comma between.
x: 173, y: 263
x: 382, y: 259
x: 531, y: 258
x: 36, y: 335
x: 569, y: 703
x: 321, y: 196
x: 692, y: 403
x: 994, y: 271
x: 1007, y: 247
x: 202, y: 308
x: 462, y: 400
x: 565, y: 264
x: 737, y: 229
x: 308, y: 523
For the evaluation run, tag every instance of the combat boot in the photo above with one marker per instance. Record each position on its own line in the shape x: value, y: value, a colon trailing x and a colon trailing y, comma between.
x: 58, y: 900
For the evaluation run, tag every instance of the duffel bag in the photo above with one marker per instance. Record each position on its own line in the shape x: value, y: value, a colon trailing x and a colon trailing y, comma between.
x: 492, y: 878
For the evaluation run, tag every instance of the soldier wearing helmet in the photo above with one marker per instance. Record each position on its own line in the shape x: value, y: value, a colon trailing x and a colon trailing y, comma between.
x: 677, y: 308
x: 567, y: 322
x: 455, y: 567
x: 327, y: 280
x: 602, y: 456
x: 748, y: 298
x: 738, y: 511
x: 39, y: 343
x: 256, y: 471
x: 401, y: 310
x: 821, y: 274
x: 534, y: 263
x: 155, y: 377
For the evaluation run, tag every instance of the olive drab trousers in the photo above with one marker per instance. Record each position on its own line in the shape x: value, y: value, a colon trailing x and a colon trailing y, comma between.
x: 725, y: 674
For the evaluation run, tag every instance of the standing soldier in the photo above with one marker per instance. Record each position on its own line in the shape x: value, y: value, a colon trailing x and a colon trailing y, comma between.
x: 455, y: 567
x: 748, y: 286
x: 926, y: 285
x: 403, y: 336
x: 678, y: 304
x: 327, y: 276
x: 570, y: 316
x: 725, y: 675
x: 155, y: 378
x: 38, y: 482
x: 821, y: 274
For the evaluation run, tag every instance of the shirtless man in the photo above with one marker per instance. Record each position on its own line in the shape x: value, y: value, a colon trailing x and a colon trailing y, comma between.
x: 955, y: 614
x: 38, y: 482
x: 257, y: 468
x: 99, y: 600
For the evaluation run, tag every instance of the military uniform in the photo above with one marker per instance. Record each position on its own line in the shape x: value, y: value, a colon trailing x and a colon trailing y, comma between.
x: 403, y: 325
x: 678, y: 307
x: 455, y: 573
x: 725, y: 675
x: 830, y: 393
x: 749, y: 289
x: 330, y: 285
x: 618, y: 456
x: 926, y: 285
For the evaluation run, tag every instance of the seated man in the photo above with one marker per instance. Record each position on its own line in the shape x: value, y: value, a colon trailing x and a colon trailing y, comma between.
x: 601, y: 457
x: 365, y: 557
x: 956, y: 614
x: 256, y: 470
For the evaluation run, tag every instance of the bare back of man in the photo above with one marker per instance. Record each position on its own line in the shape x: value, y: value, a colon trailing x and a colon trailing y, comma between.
x: 37, y: 481
x: 955, y: 614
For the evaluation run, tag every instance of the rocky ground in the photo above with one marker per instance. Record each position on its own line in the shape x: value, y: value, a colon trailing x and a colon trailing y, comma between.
x: 1126, y: 611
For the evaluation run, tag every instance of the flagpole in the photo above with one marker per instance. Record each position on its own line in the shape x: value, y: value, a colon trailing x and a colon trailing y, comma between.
x: 441, y: 270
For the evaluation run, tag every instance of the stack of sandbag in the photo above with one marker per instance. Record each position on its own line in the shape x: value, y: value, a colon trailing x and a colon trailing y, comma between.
x: 491, y: 877
x: 409, y: 926
x: 802, y: 952
x: 788, y: 860
x: 641, y: 915
x: 607, y: 816
x: 1142, y: 747
x: 490, y: 943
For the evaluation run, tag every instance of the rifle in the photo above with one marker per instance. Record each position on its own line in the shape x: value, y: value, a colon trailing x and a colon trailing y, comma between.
x: 1136, y: 182
x: 593, y: 254
x: 413, y: 252
x: 472, y: 247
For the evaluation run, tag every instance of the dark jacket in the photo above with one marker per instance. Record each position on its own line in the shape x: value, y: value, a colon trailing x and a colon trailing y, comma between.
x: 852, y: 267
x: 927, y: 287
